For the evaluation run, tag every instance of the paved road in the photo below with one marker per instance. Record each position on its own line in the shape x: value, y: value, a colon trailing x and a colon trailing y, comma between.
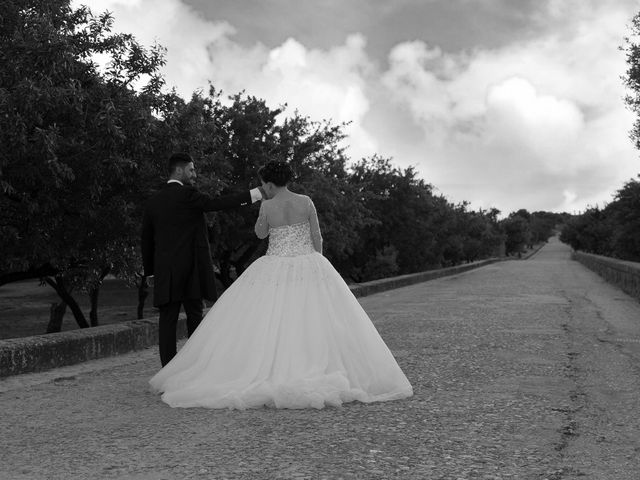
x: 523, y: 369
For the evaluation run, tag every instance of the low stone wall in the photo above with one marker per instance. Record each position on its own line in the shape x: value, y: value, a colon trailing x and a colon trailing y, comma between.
x: 625, y: 275
x: 375, y: 286
x: 43, y: 352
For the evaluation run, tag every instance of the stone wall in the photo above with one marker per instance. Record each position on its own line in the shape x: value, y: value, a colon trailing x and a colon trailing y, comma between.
x: 625, y: 275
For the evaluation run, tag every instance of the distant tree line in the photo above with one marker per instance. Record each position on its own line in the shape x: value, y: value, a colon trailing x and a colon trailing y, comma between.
x: 613, y: 231
x: 523, y: 230
x: 81, y: 149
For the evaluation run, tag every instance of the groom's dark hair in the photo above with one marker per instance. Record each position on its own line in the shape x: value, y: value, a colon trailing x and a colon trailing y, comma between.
x: 179, y: 159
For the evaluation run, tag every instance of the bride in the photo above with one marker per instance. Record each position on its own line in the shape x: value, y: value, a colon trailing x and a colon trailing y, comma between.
x: 288, y: 333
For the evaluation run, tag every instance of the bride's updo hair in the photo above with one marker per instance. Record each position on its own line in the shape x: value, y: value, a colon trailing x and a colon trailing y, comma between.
x: 279, y: 173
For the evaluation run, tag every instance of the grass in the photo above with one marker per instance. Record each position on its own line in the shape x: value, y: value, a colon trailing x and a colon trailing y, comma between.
x: 24, y: 307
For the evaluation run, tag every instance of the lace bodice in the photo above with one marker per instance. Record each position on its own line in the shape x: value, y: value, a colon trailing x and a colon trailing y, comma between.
x: 290, y: 240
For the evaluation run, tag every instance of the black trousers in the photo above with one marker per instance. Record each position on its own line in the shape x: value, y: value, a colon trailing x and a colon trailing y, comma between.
x: 168, y: 322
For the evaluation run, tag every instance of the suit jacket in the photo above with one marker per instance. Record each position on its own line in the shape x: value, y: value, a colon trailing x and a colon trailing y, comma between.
x: 175, y: 242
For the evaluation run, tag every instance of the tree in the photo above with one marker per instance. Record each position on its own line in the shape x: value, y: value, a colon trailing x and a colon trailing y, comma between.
x: 543, y: 225
x: 590, y: 232
x: 379, y: 186
x: 632, y: 77
x: 612, y: 231
x: 518, y: 234
x: 483, y: 237
x: 625, y: 214
x: 411, y: 229
x: 72, y: 143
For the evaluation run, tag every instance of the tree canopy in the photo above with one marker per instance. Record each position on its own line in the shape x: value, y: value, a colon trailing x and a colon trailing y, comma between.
x: 72, y: 141
x: 611, y: 231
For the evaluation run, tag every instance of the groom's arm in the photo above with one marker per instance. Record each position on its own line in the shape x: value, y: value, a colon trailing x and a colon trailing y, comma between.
x: 207, y: 203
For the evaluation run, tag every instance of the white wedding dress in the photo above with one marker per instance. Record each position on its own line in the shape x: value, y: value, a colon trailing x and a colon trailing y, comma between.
x: 288, y: 333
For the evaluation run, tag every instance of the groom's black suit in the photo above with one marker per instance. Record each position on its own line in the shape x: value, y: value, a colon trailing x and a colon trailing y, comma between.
x: 175, y: 250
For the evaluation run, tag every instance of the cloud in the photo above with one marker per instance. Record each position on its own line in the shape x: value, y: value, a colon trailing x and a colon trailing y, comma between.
x: 525, y: 123
x: 537, y: 124
x: 321, y: 84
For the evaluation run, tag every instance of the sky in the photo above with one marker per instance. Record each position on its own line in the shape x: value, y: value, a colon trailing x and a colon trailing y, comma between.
x: 503, y: 104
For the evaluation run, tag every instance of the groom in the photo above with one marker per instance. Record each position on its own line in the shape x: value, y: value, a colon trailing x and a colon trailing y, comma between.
x: 175, y: 248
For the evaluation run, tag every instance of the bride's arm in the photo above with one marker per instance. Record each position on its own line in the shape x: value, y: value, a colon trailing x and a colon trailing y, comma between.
x: 262, y: 225
x: 316, y: 236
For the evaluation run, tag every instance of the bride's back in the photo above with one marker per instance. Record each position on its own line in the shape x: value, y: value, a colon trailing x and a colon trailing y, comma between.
x: 288, y: 209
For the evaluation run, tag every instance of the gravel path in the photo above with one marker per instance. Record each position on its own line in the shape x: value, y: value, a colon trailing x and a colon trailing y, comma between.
x: 521, y: 369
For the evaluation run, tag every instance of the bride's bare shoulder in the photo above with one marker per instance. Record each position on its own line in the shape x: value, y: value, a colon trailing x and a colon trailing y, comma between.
x: 301, y: 196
